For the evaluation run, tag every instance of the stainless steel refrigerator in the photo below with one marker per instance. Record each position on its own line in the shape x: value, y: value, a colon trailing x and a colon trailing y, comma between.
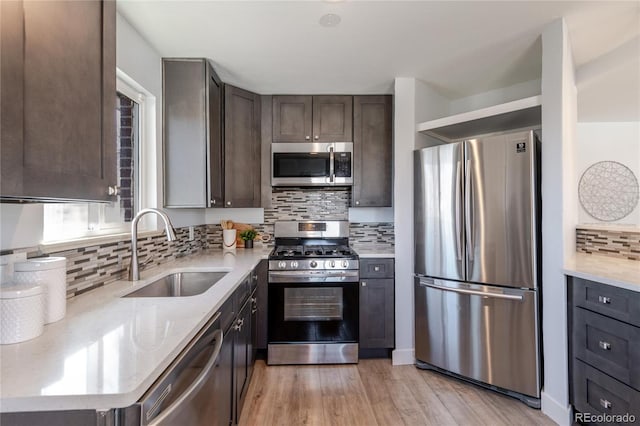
x: 476, y: 262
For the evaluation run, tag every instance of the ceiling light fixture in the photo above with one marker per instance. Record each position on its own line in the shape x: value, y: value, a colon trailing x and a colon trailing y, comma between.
x: 330, y: 20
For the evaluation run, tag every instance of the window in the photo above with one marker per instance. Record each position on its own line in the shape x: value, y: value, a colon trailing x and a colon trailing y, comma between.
x: 69, y: 221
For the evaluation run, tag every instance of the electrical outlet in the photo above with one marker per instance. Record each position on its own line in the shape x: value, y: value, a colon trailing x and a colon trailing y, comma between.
x: 191, y: 233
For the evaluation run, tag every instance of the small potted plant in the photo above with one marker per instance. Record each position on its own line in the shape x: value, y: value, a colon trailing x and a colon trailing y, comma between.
x: 248, y: 236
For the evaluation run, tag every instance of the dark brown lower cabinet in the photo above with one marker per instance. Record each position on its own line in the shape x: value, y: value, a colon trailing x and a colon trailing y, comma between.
x: 377, y: 304
x: 224, y: 384
x: 237, y: 355
x: 261, y: 274
x: 242, y: 354
x: 604, y: 350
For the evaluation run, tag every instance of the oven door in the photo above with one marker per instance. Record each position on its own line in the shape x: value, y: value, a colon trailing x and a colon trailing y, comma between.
x: 311, y: 164
x: 313, y: 323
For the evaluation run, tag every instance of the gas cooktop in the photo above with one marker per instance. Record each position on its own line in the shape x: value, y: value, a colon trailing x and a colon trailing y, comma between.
x: 315, y: 250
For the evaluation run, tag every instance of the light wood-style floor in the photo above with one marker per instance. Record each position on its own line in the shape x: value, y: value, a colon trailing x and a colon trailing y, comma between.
x: 374, y: 392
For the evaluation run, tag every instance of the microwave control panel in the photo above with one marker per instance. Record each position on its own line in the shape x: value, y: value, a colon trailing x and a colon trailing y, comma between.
x: 342, y: 164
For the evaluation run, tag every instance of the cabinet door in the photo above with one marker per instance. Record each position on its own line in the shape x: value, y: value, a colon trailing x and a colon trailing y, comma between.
x: 377, y: 313
x: 58, y: 100
x: 216, y: 144
x: 372, y: 145
x: 224, y: 396
x: 262, y: 296
x: 332, y: 119
x: 241, y: 356
x: 253, y: 339
x: 241, y: 148
x: 185, y: 132
x: 292, y: 118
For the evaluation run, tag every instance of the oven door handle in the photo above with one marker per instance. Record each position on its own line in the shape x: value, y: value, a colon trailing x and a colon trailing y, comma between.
x: 303, y: 274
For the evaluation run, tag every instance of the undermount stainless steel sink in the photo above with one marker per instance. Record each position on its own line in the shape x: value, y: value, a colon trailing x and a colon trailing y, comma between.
x: 181, y: 284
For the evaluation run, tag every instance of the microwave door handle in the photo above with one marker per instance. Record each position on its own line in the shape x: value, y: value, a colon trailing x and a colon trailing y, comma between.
x: 332, y: 158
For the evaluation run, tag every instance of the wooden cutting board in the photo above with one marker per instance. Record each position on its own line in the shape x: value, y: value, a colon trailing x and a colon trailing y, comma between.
x: 240, y: 227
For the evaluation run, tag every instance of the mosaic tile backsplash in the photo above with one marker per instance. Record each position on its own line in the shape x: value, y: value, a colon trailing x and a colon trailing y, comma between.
x: 612, y: 243
x: 96, y: 265
x: 93, y: 266
x: 314, y: 204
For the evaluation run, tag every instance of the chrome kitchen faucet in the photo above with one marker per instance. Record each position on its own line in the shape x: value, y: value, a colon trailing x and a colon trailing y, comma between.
x: 134, y: 267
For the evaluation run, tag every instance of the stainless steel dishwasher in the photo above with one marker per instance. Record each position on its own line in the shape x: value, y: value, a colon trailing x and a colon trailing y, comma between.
x: 185, y: 394
x: 192, y: 391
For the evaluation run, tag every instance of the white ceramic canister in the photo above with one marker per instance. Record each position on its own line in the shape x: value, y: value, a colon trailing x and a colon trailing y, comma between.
x: 51, y: 274
x: 229, y: 239
x: 21, y: 312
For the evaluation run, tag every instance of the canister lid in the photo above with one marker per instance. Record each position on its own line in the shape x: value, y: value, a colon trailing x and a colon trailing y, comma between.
x: 40, y: 264
x: 18, y: 291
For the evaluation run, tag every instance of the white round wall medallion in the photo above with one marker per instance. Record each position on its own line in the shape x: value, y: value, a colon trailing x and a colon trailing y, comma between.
x: 608, y: 191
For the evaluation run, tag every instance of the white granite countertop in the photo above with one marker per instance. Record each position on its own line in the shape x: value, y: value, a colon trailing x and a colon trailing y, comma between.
x: 374, y: 250
x: 108, y: 350
x: 607, y: 270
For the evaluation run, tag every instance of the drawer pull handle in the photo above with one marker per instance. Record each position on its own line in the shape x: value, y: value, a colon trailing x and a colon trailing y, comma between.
x: 376, y: 268
x: 604, y: 299
x: 604, y: 345
x: 605, y: 404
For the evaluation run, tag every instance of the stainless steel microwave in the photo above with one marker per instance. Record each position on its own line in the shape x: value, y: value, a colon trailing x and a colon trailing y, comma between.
x: 312, y: 164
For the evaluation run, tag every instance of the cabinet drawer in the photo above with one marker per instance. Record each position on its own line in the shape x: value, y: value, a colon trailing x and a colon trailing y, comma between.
x: 611, y: 301
x: 243, y: 291
x: 607, y: 344
x: 596, y: 393
x: 376, y: 268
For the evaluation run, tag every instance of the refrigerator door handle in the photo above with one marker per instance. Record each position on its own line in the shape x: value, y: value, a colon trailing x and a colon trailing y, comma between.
x: 467, y: 211
x: 433, y: 284
x: 458, y: 209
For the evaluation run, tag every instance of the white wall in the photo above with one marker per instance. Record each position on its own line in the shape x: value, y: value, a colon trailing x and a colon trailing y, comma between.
x: 414, y: 102
x: 559, y: 212
x: 618, y: 141
x: 20, y: 225
x: 495, y: 97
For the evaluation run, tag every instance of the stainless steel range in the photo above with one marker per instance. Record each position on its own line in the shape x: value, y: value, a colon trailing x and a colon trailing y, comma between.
x: 313, y: 294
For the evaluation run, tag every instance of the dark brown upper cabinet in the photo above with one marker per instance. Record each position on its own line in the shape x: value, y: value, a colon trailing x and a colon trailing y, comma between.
x: 192, y: 134
x: 292, y: 118
x: 242, y: 118
x: 372, y: 146
x: 320, y: 118
x: 332, y: 119
x: 58, y: 100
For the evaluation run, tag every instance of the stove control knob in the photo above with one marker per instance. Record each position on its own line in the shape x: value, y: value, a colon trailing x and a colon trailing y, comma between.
x: 332, y: 263
x: 294, y: 264
x: 282, y: 265
x: 345, y: 263
x: 313, y: 264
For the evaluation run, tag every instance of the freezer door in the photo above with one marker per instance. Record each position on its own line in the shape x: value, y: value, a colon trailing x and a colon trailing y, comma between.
x: 484, y: 333
x: 438, y: 211
x: 499, y: 210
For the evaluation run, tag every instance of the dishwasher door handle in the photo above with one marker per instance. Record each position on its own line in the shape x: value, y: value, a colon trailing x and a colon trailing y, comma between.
x: 204, y: 375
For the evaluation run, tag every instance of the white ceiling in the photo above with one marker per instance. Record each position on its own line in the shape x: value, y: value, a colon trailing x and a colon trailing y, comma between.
x: 461, y: 48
